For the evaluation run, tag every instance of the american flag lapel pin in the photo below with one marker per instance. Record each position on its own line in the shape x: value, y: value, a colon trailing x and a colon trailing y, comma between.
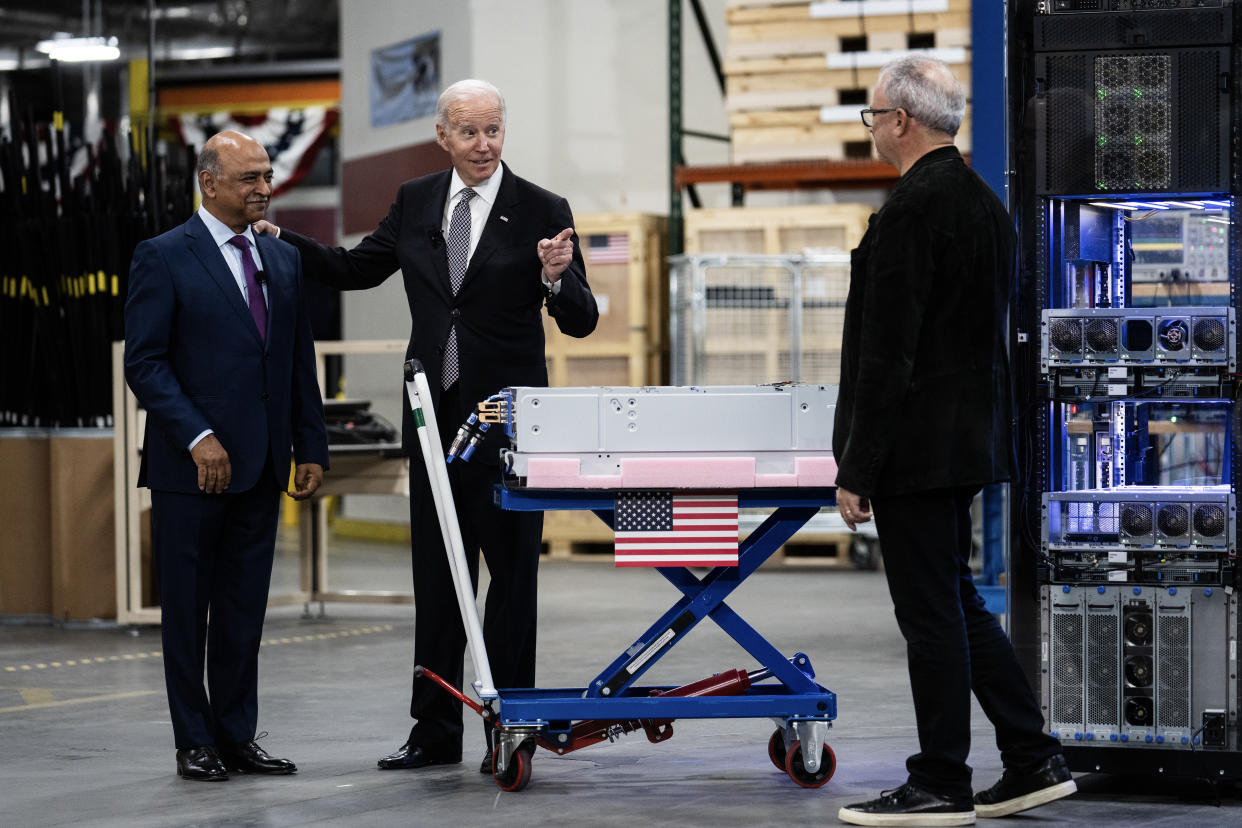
x: 503, y: 218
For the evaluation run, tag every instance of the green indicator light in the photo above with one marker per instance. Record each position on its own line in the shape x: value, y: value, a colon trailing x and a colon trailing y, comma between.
x: 1138, y: 139
x: 1100, y: 94
x: 1138, y: 93
x: 1102, y: 140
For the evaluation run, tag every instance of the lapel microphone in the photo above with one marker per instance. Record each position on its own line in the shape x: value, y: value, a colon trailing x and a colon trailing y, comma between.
x: 260, y: 276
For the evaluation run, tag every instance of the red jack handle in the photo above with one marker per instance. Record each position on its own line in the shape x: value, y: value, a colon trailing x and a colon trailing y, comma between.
x: 419, y: 670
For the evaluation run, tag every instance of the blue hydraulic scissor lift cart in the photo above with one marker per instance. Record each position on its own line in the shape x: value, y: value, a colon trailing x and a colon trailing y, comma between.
x: 566, y: 719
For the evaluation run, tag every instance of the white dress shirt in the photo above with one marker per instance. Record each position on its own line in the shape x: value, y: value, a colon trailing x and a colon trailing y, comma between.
x: 220, y: 234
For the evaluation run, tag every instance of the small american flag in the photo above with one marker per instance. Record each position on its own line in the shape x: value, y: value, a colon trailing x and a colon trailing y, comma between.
x: 608, y: 248
x: 684, y: 529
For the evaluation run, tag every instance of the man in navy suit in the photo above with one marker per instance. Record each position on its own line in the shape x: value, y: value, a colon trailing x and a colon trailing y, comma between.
x: 482, y: 252
x: 219, y: 352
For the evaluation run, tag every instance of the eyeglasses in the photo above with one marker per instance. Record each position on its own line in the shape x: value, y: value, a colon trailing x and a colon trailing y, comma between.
x: 868, y: 115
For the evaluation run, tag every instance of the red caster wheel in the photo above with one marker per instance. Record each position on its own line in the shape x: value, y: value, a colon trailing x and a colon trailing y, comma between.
x: 798, y: 772
x: 776, y: 749
x: 517, y: 775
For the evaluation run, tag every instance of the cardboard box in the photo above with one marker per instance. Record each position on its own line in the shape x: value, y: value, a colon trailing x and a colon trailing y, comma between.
x: 25, y: 515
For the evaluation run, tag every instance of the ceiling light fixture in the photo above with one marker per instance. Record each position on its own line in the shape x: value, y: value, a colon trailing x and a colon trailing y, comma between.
x: 80, y: 49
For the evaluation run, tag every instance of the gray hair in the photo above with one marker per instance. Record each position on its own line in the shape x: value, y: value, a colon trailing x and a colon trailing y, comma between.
x: 209, y: 160
x: 466, y: 89
x: 926, y: 88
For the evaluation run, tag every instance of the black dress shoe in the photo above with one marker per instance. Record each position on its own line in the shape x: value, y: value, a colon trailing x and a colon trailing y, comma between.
x: 416, y: 756
x: 247, y: 757
x: 486, y: 767
x: 1021, y: 790
x: 201, y: 764
x: 910, y: 805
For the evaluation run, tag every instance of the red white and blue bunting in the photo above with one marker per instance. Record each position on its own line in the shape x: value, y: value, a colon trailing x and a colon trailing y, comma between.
x: 291, y: 136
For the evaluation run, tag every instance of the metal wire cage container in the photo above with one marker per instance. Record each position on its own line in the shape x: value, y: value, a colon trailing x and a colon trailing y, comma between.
x: 750, y: 318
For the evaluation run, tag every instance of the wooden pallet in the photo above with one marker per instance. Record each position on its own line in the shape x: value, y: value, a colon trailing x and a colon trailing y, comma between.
x: 569, y: 534
x: 629, y: 278
x: 749, y: 55
x: 815, y: 142
x: 794, y: 81
x: 786, y: 83
x: 769, y: 22
x: 750, y: 111
x: 775, y: 230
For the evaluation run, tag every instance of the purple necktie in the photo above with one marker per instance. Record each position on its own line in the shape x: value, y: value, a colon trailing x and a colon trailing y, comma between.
x: 258, y: 308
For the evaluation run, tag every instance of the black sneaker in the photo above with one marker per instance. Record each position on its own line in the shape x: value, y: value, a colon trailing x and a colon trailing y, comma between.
x: 1018, y: 791
x: 909, y: 805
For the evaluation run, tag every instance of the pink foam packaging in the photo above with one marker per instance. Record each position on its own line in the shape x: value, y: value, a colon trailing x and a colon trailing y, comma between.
x: 679, y: 473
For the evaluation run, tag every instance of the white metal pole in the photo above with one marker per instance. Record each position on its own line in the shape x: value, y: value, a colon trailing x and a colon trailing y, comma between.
x: 437, y: 473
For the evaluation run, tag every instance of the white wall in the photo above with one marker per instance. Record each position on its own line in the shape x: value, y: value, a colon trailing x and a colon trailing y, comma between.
x: 587, y: 86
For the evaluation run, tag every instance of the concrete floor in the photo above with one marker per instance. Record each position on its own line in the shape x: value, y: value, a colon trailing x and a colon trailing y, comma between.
x: 87, y: 741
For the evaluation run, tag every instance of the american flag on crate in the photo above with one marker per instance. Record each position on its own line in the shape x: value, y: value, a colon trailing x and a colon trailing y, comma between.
x: 608, y: 248
x: 682, y: 529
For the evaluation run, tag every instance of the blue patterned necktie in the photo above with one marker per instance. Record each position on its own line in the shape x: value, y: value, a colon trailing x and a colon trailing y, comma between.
x: 458, y: 258
x: 254, y: 293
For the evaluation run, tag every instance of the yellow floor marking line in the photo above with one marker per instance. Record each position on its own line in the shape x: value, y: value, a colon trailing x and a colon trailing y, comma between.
x: 270, y: 642
x: 86, y: 700
x: 36, y: 695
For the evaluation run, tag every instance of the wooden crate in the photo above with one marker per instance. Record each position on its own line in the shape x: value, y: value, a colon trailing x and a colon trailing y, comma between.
x: 811, y: 82
x: 795, y: 82
x: 625, y: 266
x: 868, y: 40
x: 762, y: 22
x: 775, y: 230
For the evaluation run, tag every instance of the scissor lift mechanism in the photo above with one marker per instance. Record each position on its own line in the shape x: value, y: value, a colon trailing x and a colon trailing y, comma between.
x: 566, y: 719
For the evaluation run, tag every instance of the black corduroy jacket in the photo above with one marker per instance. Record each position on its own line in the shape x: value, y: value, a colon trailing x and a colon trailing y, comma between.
x: 925, y: 397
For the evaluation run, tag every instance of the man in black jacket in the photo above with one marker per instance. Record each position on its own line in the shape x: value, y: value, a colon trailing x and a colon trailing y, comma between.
x: 922, y: 423
x: 482, y: 252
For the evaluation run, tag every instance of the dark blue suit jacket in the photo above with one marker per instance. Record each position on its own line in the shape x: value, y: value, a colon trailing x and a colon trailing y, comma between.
x: 194, y: 359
